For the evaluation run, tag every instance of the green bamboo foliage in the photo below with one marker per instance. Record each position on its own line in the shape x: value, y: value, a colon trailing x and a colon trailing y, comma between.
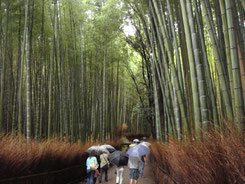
x: 68, y: 71
x: 203, y: 71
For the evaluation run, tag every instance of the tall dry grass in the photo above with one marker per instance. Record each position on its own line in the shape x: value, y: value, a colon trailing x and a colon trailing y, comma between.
x: 218, y: 159
x: 50, y: 161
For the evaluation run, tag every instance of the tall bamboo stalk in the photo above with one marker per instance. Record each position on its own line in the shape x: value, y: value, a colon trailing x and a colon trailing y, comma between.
x: 28, y: 90
x: 51, y: 73
x: 237, y: 85
x: 192, y: 65
x: 220, y: 69
x: 3, y: 72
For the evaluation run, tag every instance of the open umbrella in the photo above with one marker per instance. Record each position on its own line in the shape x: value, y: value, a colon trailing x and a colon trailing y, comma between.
x: 118, y: 158
x: 97, y: 150
x: 144, y: 143
x: 138, y: 151
x: 126, y: 143
x: 108, y: 147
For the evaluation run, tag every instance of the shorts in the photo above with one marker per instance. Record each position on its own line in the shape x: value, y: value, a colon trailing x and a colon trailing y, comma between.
x: 134, y: 174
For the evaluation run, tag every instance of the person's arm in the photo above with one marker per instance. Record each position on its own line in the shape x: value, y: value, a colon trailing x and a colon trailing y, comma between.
x: 145, y: 160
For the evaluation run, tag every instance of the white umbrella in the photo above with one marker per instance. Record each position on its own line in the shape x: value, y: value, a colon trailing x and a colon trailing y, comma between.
x: 108, y: 147
x: 97, y: 150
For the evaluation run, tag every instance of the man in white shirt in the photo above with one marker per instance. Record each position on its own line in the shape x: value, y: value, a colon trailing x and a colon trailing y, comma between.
x: 133, y: 165
x: 104, y: 165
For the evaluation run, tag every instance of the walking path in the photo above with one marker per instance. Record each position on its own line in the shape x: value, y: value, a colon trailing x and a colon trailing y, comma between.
x: 148, y: 179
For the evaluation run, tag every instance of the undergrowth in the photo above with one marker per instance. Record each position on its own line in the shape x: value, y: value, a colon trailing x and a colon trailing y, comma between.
x: 217, y: 159
x: 50, y: 161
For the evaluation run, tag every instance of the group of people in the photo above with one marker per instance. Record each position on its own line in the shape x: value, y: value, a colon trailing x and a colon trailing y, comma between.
x: 92, y: 168
x: 136, y: 167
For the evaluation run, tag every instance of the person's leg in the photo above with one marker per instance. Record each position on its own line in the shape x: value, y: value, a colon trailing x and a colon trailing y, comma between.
x: 141, y: 165
x: 136, y: 176
x: 106, y: 175
x: 118, y: 176
x: 131, y: 175
x: 121, y: 175
x: 142, y: 168
x: 92, y: 177
x: 101, y: 173
x: 88, y: 177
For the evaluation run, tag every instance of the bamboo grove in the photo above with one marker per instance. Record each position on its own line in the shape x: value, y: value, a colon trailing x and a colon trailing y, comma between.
x: 196, y: 52
x: 62, y: 69
x: 69, y: 70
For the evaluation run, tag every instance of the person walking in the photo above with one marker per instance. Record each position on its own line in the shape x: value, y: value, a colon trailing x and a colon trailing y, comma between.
x: 119, y: 171
x: 135, y: 142
x: 143, y: 160
x: 119, y: 159
x: 142, y: 165
x: 92, y: 165
x: 133, y: 165
x: 104, y: 166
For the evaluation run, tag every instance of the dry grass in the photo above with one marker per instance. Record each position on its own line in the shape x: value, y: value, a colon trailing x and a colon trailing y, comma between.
x: 219, y: 158
x: 17, y: 159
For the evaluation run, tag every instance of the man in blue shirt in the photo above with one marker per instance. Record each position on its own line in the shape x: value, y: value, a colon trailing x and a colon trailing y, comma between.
x: 92, y: 165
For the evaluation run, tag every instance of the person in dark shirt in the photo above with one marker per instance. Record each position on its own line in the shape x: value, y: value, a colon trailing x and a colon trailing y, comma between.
x: 143, y: 163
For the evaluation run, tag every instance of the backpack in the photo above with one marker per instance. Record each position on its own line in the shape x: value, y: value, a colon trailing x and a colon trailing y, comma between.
x: 93, y: 165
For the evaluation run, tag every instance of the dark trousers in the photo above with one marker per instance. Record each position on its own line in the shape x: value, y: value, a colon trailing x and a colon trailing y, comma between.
x: 103, y: 169
x: 90, y: 178
x: 142, y: 168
